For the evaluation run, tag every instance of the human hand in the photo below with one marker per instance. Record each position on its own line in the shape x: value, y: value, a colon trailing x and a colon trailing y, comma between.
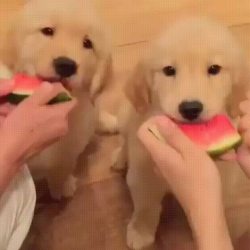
x: 33, y: 125
x: 193, y: 178
x: 242, y: 154
x: 175, y: 160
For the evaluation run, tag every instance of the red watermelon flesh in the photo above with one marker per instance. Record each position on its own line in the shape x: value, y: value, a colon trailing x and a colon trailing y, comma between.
x: 216, y: 136
x: 24, y: 86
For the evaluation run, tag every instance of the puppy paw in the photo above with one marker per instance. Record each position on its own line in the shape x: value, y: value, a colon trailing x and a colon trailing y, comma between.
x: 117, y: 162
x: 108, y: 123
x: 69, y: 187
x: 137, y: 239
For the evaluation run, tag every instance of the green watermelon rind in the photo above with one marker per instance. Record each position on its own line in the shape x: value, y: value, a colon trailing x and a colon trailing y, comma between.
x: 215, y: 150
x: 16, y: 98
x: 226, y: 145
x: 61, y: 97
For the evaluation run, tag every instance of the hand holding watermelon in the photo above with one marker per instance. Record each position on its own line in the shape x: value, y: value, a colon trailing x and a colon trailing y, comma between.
x: 192, y: 177
x: 32, y: 126
x: 243, y: 153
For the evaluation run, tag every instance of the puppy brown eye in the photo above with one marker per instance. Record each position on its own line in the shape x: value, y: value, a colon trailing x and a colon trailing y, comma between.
x: 169, y: 71
x: 214, y: 69
x: 47, y: 31
x: 87, y: 43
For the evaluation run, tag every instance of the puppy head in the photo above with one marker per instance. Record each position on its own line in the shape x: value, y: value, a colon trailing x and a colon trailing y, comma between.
x: 62, y: 41
x: 193, y: 72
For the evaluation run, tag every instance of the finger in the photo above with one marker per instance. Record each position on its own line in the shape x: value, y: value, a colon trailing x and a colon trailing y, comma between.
x: 2, y: 119
x: 175, y: 137
x: 229, y: 156
x: 53, y: 114
x: 52, y: 130
x: 244, y: 123
x: 44, y: 94
x: 6, y: 108
x: 65, y: 107
x: 162, y: 153
x: 6, y: 86
x: 245, y: 107
x: 246, y: 138
x: 248, y: 95
x: 243, y: 157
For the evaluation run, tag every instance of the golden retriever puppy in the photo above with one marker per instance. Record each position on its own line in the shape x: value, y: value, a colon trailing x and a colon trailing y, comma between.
x: 62, y: 41
x: 193, y: 72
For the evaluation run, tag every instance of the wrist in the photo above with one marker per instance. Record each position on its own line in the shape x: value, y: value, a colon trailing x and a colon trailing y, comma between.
x: 9, y: 152
x: 215, y: 241
x: 8, y: 169
x: 210, y: 227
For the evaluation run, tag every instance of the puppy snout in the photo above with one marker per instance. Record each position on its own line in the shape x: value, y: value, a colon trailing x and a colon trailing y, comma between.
x: 190, y: 110
x: 64, y: 66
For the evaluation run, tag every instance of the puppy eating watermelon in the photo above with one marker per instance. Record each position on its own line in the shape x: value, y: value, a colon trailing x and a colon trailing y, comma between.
x: 24, y: 86
x: 216, y: 136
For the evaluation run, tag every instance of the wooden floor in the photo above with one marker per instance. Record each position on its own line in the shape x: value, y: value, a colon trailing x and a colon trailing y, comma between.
x: 96, y: 218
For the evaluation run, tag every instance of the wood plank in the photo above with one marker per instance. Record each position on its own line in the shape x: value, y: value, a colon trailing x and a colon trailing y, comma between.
x: 133, y: 21
x: 242, y: 32
x: 126, y: 56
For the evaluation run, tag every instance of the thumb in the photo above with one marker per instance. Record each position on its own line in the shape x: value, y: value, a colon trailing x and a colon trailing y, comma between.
x: 45, y: 93
x: 174, y: 136
x: 228, y: 156
x: 65, y: 107
x: 243, y: 157
x: 6, y: 87
x: 161, y: 152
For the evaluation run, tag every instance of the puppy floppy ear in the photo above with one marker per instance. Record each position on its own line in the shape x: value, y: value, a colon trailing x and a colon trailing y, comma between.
x: 241, y: 85
x: 102, y: 76
x: 104, y: 69
x: 138, y: 89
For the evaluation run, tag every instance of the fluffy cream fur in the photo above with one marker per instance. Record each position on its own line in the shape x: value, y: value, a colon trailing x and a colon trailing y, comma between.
x: 28, y: 50
x: 190, y: 45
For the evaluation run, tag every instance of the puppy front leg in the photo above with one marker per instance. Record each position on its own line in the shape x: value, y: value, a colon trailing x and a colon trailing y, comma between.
x: 119, y: 156
x: 147, y: 192
x: 60, y: 178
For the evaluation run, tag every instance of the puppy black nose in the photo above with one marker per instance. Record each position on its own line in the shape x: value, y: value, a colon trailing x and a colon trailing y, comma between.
x: 64, y: 67
x: 190, y: 110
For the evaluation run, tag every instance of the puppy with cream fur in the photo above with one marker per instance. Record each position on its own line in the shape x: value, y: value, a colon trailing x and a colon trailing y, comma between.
x: 62, y: 41
x: 193, y: 72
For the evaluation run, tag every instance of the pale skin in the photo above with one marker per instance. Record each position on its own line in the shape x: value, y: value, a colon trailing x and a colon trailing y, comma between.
x: 175, y: 159
x: 29, y: 128
x: 192, y: 187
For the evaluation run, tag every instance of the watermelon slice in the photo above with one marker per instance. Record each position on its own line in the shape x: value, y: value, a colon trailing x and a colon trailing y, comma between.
x: 25, y: 87
x: 216, y: 136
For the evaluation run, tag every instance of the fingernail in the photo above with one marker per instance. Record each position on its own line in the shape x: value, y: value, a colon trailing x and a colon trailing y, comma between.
x: 155, y: 132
